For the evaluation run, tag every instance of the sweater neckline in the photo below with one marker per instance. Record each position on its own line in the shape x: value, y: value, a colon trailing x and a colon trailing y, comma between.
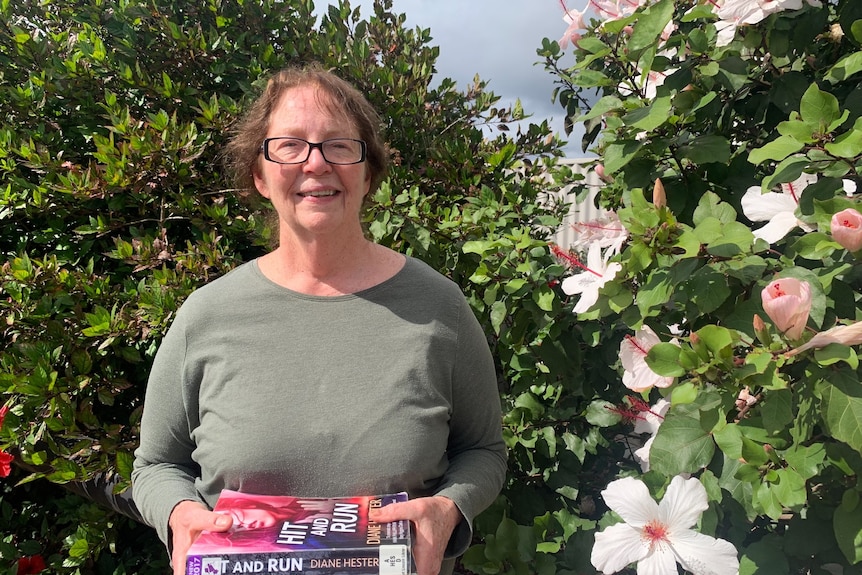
x: 361, y: 294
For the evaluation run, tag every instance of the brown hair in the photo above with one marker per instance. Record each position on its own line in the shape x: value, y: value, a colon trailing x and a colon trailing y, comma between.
x: 338, y: 97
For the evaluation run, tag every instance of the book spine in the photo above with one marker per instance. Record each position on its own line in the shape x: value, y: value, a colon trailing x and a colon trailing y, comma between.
x: 380, y: 560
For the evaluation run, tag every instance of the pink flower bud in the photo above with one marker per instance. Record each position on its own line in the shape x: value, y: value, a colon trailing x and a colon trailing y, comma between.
x: 847, y: 229
x: 600, y: 172
x: 758, y: 324
x: 787, y: 302
x: 659, y: 198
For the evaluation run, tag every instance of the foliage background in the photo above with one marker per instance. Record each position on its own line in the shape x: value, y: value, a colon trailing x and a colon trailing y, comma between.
x: 114, y: 207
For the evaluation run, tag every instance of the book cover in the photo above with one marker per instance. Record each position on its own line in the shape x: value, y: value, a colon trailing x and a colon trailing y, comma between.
x: 303, y: 536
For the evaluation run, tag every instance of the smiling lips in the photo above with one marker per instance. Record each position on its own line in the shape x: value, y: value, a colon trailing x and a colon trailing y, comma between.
x: 319, y: 194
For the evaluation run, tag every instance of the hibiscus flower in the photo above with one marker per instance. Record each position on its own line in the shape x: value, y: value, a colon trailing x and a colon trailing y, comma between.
x: 787, y: 302
x: 648, y: 422
x: 575, y: 20
x: 776, y: 208
x: 606, y: 230
x: 657, y: 536
x: 637, y: 375
x: 596, y: 273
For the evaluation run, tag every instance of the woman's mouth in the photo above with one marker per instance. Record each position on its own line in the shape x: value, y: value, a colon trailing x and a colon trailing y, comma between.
x: 319, y: 194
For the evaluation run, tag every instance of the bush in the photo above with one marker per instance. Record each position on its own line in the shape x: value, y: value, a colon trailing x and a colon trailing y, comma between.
x: 729, y: 344
x: 114, y: 208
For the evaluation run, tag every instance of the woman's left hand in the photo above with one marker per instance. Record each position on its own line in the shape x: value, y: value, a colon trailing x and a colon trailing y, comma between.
x: 434, y: 519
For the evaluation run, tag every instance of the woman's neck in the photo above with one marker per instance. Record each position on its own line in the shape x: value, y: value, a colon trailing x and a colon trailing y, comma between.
x: 330, y: 268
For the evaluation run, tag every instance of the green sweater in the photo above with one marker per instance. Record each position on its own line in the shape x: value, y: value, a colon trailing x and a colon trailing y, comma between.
x: 261, y: 389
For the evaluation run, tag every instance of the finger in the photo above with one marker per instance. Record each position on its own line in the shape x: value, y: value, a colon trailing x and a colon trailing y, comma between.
x: 394, y: 512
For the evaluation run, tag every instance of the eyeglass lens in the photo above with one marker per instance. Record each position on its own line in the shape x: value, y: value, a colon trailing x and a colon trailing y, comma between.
x: 297, y: 150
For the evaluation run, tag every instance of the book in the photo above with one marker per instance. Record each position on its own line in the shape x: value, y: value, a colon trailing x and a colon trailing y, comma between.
x: 303, y: 536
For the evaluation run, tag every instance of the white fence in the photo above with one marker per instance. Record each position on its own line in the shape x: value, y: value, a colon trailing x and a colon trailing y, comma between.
x: 582, y: 211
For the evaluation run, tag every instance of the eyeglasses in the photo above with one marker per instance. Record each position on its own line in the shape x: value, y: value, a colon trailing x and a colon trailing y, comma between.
x: 340, y: 151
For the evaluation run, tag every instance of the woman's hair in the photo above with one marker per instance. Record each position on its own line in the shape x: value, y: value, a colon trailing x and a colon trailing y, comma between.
x: 337, y: 97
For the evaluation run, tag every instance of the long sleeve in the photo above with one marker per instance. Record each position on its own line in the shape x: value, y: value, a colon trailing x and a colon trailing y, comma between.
x: 164, y: 473
x: 477, y: 454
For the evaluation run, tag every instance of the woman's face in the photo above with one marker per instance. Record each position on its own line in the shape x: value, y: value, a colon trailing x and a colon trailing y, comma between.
x: 253, y: 518
x: 313, y: 197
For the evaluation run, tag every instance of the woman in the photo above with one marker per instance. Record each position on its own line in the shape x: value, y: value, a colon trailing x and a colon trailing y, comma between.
x: 331, y: 366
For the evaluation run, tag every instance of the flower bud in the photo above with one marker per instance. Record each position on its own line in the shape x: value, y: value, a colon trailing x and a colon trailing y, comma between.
x: 787, y: 302
x: 847, y: 229
x: 600, y: 172
x: 761, y: 330
x: 659, y: 199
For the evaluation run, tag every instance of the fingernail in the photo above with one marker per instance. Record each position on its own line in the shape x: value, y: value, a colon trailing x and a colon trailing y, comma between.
x: 223, y: 521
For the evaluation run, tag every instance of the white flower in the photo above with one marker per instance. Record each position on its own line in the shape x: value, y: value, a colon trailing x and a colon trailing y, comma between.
x: 596, y: 274
x: 609, y: 10
x: 649, y: 422
x: 734, y: 13
x: 778, y: 209
x: 575, y: 20
x: 658, y: 536
x: 606, y: 230
x: 637, y: 375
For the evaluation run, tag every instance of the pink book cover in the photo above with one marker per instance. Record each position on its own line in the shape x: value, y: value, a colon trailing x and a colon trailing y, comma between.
x: 302, y: 535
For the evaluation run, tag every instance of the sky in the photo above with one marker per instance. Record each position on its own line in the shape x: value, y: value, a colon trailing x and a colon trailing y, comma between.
x: 496, y: 39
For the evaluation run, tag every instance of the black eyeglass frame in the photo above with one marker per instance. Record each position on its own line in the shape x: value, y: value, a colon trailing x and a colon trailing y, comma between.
x: 264, y: 147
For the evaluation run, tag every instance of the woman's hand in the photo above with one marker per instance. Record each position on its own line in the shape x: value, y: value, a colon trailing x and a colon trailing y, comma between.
x: 187, y: 520
x: 433, y: 518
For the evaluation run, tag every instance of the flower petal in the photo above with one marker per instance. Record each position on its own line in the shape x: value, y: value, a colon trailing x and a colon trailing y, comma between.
x: 579, y: 283
x: 759, y: 207
x: 616, y: 547
x: 778, y: 227
x: 631, y: 500
x: 683, y: 503
x: 642, y: 454
x: 705, y: 555
x: 661, y: 561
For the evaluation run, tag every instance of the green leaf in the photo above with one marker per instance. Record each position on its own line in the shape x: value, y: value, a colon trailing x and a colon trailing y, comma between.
x: 790, y: 489
x: 620, y: 153
x: 601, y: 414
x: 834, y: 353
x: 711, y: 206
x: 764, y: 557
x: 650, y: 24
x: 844, y: 68
x: 706, y: 150
x: 544, y: 297
x: 602, y: 107
x: 777, y: 149
x: 498, y: 315
x: 848, y: 144
x: 707, y: 289
x: 663, y: 359
x: 681, y: 445
x: 649, y: 117
x: 805, y: 460
x: 841, y: 405
x: 777, y: 410
x: 798, y: 130
x: 818, y: 107
x: 847, y: 524
x: 729, y: 440
x: 736, y: 238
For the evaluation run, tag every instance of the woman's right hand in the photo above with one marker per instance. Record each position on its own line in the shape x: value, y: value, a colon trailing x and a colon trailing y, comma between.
x: 187, y: 521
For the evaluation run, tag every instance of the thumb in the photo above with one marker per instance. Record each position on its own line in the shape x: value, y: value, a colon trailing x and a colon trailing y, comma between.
x: 220, y: 522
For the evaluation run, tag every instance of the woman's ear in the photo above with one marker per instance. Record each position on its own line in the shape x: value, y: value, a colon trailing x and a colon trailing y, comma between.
x: 260, y: 183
